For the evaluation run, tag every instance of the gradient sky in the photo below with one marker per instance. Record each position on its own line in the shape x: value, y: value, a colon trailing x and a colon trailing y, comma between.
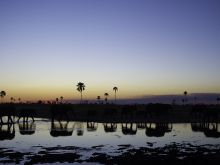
x: 144, y: 47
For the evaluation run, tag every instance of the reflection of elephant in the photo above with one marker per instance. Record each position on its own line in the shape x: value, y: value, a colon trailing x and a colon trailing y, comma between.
x: 209, y: 129
x: 110, y: 127
x: 9, y: 111
x: 27, y: 128
x: 25, y: 114
x: 129, y: 129
x: 7, y: 133
x: 157, y: 129
x: 79, y: 128
x: 60, y: 129
x: 197, y: 127
x: 141, y: 125
x: 92, y: 126
x: 212, y: 130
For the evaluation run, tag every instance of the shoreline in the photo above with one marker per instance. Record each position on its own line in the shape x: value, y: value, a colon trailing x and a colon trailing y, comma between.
x: 163, y: 113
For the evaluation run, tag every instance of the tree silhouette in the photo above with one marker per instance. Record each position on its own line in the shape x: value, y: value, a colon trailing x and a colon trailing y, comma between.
x: 98, y: 98
x: 80, y: 87
x: 2, y: 95
x: 57, y: 100
x: 185, y: 94
x: 106, y: 97
x: 12, y: 99
x: 61, y: 99
x: 115, y: 89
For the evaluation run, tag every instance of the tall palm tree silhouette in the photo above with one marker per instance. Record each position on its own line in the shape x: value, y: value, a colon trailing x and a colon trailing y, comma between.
x: 80, y: 87
x: 115, y: 89
x: 185, y: 94
x: 2, y: 95
x: 106, y: 97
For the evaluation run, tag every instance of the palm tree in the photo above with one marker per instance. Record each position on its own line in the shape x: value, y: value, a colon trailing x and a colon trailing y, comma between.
x: 2, y: 95
x: 185, y: 94
x: 115, y: 89
x: 61, y: 99
x: 57, y: 100
x: 98, y: 98
x: 106, y: 97
x: 12, y: 99
x: 80, y: 87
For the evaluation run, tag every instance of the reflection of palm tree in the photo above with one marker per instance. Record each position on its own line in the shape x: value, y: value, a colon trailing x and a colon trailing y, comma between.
x: 106, y: 97
x: 185, y: 94
x: 2, y: 95
x: 115, y: 89
x: 80, y: 87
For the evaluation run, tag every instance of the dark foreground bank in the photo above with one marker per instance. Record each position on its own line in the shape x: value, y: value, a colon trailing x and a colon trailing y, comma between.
x: 126, y: 154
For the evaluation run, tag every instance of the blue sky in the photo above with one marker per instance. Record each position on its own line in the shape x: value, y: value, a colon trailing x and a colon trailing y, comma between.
x: 143, y: 47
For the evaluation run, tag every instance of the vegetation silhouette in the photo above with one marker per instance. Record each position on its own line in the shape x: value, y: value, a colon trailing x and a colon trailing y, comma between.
x: 185, y: 94
x: 98, y: 99
x: 2, y: 95
x: 106, y: 97
x: 61, y: 99
x: 80, y: 87
x: 115, y: 89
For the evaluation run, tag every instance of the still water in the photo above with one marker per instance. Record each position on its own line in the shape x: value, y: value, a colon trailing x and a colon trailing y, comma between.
x: 23, y: 141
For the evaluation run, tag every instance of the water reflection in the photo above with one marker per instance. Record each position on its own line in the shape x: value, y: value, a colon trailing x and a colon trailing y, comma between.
x: 60, y: 128
x: 157, y: 129
x: 66, y: 128
x: 92, y: 126
x: 27, y: 128
x: 209, y: 129
x: 129, y: 128
x: 110, y: 127
x: 7, y: 131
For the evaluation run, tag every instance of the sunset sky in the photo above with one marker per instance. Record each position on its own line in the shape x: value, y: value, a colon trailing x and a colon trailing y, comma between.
x: 144, y: 47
